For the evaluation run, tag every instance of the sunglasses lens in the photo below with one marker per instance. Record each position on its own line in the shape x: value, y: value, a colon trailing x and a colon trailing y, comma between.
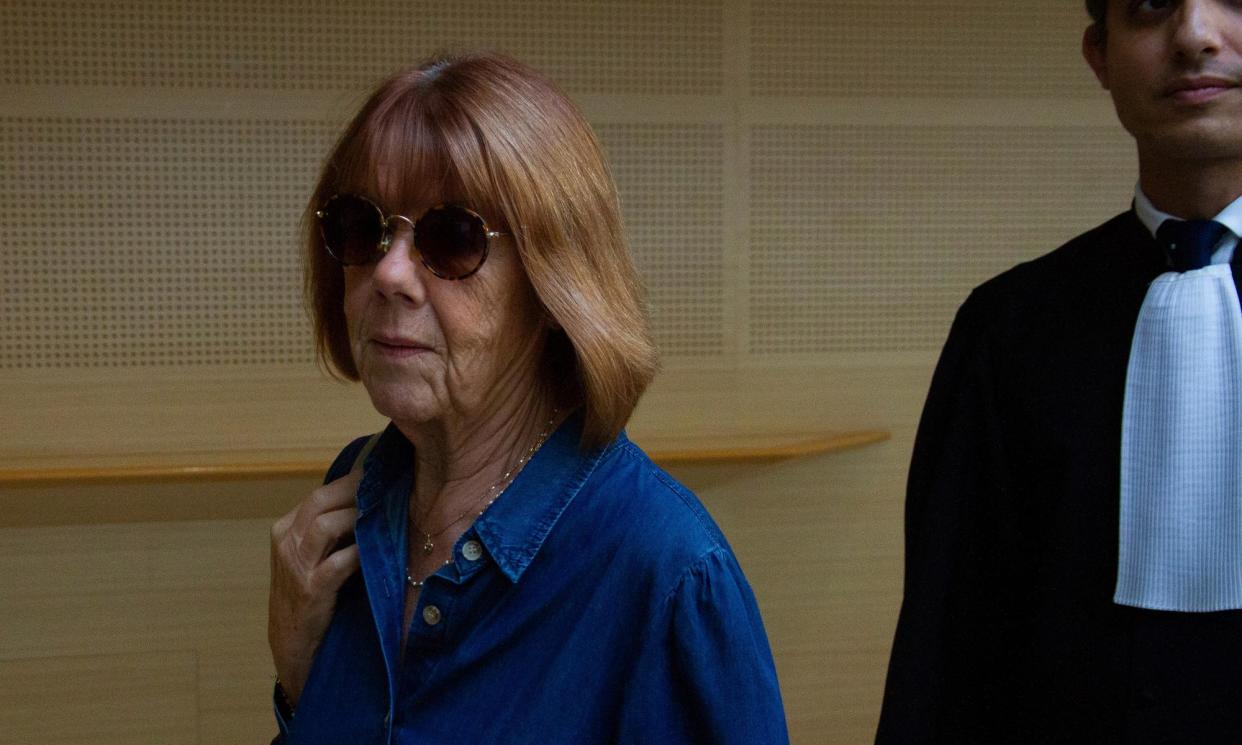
x: 452, y: 241
x: 352, y: 230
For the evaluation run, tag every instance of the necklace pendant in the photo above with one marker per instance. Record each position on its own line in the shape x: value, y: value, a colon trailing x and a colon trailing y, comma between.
x: 428, y: 545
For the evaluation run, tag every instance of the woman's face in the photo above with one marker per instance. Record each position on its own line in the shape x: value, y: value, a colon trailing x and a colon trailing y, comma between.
x: 434, y: 350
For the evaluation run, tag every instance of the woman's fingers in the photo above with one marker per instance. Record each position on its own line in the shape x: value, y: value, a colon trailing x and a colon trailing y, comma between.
x: 331, y: 496
x: 339, y: 566
x: 308, y: 569
x: 281, y: 526
x: 324, y: 534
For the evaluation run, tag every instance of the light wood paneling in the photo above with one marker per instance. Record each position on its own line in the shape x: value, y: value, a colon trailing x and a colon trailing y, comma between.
x: 101, y: 605
x: 235, y: 689
x: 820, y: 541
x: 147, y: 697
x: 79, y: 504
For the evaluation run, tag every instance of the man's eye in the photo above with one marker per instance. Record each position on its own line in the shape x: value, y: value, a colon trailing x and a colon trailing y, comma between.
x: 1150, y: 6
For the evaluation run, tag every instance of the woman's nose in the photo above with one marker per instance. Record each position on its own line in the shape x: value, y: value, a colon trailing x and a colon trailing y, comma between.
x: 398, y: 272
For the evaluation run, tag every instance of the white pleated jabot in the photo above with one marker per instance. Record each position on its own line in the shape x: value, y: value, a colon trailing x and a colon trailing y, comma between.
x: 1181, y: 449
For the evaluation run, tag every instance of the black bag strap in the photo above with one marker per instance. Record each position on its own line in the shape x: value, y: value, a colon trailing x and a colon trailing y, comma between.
x: 366, y: 450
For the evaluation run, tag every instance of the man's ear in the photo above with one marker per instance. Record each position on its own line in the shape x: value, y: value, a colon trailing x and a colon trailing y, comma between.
x: 1093, y: 41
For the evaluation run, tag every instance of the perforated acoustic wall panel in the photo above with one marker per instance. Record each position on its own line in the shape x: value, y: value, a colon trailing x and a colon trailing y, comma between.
x: 923, y: 49
x: 672, y: 195
x: 631, y: 46
x: 153, y: 242
x: 865, y: 239
x: 741, y: 263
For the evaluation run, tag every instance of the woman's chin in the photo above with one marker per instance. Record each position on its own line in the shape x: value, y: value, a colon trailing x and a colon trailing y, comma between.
x: 407, y: 401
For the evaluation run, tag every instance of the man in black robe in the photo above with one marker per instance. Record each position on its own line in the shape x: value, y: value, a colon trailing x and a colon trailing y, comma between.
x: 1008, y: 631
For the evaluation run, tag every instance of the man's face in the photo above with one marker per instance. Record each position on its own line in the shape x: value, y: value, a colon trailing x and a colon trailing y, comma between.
x: 1174, y: 68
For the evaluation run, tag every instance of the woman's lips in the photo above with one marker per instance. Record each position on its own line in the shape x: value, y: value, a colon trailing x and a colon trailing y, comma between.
x: 398, y: 348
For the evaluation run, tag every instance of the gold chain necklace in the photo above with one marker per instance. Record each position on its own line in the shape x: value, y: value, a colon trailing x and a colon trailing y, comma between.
x: 493, y: 492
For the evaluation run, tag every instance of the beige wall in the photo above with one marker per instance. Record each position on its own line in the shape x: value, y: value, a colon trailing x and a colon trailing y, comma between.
x: 810, y: 188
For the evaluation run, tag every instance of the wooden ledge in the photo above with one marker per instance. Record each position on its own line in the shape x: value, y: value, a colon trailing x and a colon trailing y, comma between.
x: 741, y: 448
x: 664, y: 449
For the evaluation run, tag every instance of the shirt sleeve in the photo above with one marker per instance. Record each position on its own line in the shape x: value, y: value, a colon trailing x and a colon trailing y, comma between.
x: 707, y: 675
x: 956, y: 470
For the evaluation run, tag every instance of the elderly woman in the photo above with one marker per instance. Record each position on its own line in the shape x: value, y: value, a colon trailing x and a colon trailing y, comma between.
x: 500, y: 564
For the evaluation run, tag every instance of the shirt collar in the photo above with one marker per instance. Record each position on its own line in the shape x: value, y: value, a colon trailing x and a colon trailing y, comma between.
x: 1151, y: 217
x: 514, y: 528
x: 388, y: 462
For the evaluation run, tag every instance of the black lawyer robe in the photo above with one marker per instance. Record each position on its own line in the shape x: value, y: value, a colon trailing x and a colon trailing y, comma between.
x: 1008, y: 632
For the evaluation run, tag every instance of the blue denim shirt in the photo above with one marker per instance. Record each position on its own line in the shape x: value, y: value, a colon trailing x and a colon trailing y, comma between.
x: 604, y: 607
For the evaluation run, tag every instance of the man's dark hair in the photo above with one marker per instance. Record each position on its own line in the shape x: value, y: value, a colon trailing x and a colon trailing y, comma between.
x: 1098, y: 10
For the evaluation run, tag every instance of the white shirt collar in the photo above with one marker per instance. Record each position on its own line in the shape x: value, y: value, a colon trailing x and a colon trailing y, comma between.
x: 1230, y: 217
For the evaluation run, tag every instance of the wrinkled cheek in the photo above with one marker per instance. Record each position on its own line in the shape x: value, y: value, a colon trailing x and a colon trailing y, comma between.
x: 353, y: 325
x: 356, y: 346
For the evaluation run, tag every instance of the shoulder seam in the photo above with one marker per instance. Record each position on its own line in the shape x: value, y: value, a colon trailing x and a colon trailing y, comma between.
x: 691, y: 567
x: 631, y: 450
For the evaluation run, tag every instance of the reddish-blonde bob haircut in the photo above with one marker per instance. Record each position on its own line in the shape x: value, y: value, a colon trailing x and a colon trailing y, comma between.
x: 493, y: 134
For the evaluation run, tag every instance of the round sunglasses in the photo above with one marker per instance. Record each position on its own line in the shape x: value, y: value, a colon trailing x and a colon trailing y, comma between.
x: 451, y: 240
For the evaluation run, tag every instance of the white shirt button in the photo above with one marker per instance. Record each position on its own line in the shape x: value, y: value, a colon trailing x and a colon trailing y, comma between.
x: 431, y: 615
x: 471, y: 550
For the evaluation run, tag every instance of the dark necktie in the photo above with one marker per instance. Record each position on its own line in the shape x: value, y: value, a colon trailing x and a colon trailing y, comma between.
x: 1189, y: 243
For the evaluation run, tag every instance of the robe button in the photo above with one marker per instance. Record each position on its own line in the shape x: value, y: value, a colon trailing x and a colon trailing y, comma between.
x: 431, y: 615
x: 471, y: 550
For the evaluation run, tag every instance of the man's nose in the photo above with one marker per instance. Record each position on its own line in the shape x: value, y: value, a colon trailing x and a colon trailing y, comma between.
x: 1197, y: 29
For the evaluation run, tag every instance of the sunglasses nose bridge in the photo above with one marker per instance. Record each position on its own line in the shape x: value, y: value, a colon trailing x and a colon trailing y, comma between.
x: 390, y: 231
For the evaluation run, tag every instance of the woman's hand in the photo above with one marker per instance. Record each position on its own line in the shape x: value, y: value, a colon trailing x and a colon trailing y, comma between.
x: 309, y: 565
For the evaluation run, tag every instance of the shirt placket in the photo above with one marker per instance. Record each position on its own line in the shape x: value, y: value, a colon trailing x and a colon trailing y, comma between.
x: 375, y: 546
x: 439, y: 619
